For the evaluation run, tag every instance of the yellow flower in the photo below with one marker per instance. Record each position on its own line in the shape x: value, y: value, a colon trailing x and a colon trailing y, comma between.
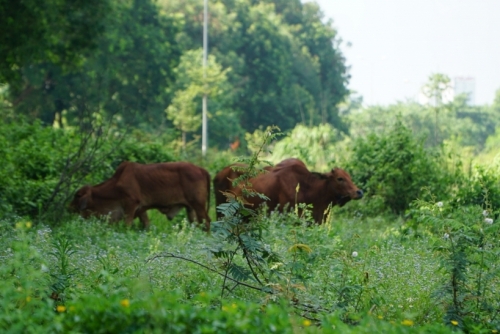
x: 233, y: 305
x: 61, y: 308
x: 125, y: 303
x: 407, y: 322
x: 454, y: 322
x: 28, y: 299
x: 494, y: 331
x: 306, y: 323
x: 28, y: 224
x: 380, y: 317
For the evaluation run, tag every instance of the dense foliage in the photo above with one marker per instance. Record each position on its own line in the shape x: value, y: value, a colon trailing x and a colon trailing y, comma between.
x: 52, y: 31
x: 87, y: 85
x: 395, y: 168
x: 270, y: 63
x: 37, y: 161
x: 354, y: 275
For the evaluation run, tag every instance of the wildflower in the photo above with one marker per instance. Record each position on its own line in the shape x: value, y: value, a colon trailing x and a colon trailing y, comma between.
x: 28, y: 299
x: 407, y: 322
x: 446, y: 236
x: 61, y: 308
x: 488, y: 221
x: 233, y: 305
x: 28, y: 224
x: 439, y: 204
x: 125, y: 303
x: 454, y: 323
x: 380, y: 317
x: 494, y: 331
x: 306, y: 323
x: 485, y: 213
x: 354, y: 254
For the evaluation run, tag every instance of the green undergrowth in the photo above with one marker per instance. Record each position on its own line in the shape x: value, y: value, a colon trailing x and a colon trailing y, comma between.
x: 352, y: 274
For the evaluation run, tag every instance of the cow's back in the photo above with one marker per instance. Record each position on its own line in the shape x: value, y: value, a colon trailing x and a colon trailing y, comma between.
x: 280, y: 184
x: 168, y: 183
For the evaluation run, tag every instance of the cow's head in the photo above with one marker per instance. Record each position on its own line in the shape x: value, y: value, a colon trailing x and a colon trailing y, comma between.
x: 342, y: 187
x: 81, y: 201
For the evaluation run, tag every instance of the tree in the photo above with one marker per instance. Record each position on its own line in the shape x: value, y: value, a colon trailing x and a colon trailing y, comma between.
x: 434, y: 90
x: 191, y: 86
x: 127, y: 75
x: 53, y: 31
x: 286, y: 66
x: 323, y: 44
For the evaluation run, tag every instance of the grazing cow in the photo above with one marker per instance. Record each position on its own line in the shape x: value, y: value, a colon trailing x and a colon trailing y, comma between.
x: 318, y: 189
x: 135, y: 188
x: 223, y: 181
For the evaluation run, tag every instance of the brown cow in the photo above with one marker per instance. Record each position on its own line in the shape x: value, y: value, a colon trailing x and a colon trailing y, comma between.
x: 223, y: 181
x: 318, y: 189
x: 135, y: 188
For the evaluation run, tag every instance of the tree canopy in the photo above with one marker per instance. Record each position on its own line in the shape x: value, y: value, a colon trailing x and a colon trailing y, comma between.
x: 278, y: 63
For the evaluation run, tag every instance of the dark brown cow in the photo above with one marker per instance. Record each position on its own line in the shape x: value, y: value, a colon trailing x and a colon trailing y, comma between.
x: 223, y: 181
x: 318, y: 189
x: 135, y: 188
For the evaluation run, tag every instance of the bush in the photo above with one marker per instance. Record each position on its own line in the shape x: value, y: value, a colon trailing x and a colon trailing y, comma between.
x: 35, y: 157
x: 393, y: 168
x: 482, y: 188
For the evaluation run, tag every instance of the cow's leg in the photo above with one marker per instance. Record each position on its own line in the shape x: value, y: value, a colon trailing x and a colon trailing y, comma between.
x: 131, y: 208
x: 318, y: 216
x: 202, y: 215
x: 191, y: 214
x: 143, y: 217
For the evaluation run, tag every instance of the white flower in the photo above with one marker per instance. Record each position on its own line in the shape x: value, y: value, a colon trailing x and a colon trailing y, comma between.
x: 439, y: 204
x: 485, y: 213
x: 488, y: 221
x: 446, y: 236
x: 354, y: 254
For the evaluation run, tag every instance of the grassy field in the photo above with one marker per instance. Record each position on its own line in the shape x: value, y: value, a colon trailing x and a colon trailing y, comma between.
x: 352, y: 274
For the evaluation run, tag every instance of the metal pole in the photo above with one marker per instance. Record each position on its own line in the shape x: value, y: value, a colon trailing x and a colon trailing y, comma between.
x: 204, y: 140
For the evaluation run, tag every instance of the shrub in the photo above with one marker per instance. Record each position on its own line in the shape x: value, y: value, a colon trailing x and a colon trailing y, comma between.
x: 393, y: 168
x: 467, y: 243
x: 482, y: 188
x: 36, y: 157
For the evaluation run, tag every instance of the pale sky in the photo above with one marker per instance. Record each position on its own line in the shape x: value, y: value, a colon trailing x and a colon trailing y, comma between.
x: 397, y: 44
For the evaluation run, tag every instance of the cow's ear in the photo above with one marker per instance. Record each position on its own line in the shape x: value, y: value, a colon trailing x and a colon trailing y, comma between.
x: 335, y: 170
